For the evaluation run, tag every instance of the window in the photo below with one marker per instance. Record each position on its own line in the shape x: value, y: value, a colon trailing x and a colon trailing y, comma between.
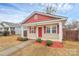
x: 6, y: 29
x: 32, y: 29
x: 25, y: 33
x: 54, y: 29
x: 12, y: 28
x: 47, y: 29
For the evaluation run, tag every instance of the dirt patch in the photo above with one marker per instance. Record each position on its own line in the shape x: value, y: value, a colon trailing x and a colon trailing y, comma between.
x: 8, y: 41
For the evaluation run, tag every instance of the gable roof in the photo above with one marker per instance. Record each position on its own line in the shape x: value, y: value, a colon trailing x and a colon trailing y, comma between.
x: 1, y: 26
x: 9, y: 24
x: 45, y: 14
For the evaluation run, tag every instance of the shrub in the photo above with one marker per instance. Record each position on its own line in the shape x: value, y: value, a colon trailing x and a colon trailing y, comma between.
x: 22, y: 39
x: 6, y: 33
x: 39, y: 40
x: 49, y: 42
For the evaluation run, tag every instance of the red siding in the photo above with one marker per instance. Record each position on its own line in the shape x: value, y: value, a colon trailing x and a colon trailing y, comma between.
x: 34, y: 29
x: 44, y: 29
x: 30, y: 29
x: 40, y: 18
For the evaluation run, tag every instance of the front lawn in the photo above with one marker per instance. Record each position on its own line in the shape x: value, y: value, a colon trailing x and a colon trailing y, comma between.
x: 70, y: 48
x: 8, y: 41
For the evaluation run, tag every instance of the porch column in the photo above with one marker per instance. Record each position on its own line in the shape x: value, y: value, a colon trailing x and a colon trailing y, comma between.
x: 22, y: 31
x: 60, y: 32
x: 36, y: 32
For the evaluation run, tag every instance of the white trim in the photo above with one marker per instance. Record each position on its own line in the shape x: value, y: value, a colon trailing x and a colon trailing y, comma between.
x: 48, y: 27
x: 36, y: 32
x: 56, y: 29
x: 52, y: 25
x: 22, y: 31
x: 60, y: 32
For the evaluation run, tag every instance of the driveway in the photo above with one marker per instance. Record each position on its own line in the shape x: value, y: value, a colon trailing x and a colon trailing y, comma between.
x: 13, y: 49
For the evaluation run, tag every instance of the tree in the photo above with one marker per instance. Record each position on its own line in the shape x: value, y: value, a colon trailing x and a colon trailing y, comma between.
x: 73, y: 24
x: 50, y: 10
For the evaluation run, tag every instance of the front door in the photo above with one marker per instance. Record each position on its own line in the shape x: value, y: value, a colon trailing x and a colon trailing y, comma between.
x: 39, y: 32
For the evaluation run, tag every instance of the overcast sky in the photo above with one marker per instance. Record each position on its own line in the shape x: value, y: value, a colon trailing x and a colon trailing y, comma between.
x: 18, y: 12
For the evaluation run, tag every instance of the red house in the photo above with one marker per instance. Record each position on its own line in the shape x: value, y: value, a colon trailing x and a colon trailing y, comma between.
x: 44, y: 26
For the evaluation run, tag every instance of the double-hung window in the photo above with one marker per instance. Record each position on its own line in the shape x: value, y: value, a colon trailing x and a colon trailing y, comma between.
x: 54, y: 29
x: 47, y: 29
x: 32, y: 29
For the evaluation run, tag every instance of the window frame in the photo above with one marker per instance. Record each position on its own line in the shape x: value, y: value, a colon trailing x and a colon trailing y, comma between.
x: 54, y: 29
x: 32, y: 30
x: 48, y: 29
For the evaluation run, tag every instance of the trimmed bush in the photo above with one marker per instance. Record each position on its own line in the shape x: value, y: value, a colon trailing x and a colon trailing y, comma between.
x: 22, y: 39
x: 39, y: 40
x: 49, y: 42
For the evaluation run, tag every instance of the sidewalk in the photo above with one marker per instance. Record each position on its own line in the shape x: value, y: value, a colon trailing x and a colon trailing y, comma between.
x: 13, y: 49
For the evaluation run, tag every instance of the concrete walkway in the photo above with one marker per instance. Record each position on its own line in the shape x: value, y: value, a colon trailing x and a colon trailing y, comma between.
x: 13, y: 49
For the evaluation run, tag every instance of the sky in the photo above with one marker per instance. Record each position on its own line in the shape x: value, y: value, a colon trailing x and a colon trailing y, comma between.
x: 17, y: 12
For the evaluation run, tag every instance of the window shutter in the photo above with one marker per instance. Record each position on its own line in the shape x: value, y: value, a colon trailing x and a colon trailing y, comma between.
x: 34, y: 29
x: 57, y: 29
x: 30, y: 29
x: 44, y: 29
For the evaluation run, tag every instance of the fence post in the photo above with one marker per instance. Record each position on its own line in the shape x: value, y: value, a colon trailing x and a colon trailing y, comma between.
x: 78, y: 35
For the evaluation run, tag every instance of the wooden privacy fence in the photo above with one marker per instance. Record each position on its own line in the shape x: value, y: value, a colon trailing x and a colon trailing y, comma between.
x: 72, y: 35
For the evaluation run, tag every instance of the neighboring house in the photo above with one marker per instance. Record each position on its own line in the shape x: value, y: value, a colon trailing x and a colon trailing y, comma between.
x: 44, y: 26
x: 13, y: 28
x: 18, y: 29
x: 1, y: 29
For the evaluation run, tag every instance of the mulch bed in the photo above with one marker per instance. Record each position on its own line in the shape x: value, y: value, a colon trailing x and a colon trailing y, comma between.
x: 55, y: 44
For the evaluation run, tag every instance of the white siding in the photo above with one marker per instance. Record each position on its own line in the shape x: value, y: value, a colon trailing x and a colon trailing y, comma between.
x: 18, y: 30
x: 31, y: 35
x: 45, y: 36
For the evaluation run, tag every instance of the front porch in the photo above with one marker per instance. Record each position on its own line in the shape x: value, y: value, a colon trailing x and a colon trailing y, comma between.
x: 46, y: 30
